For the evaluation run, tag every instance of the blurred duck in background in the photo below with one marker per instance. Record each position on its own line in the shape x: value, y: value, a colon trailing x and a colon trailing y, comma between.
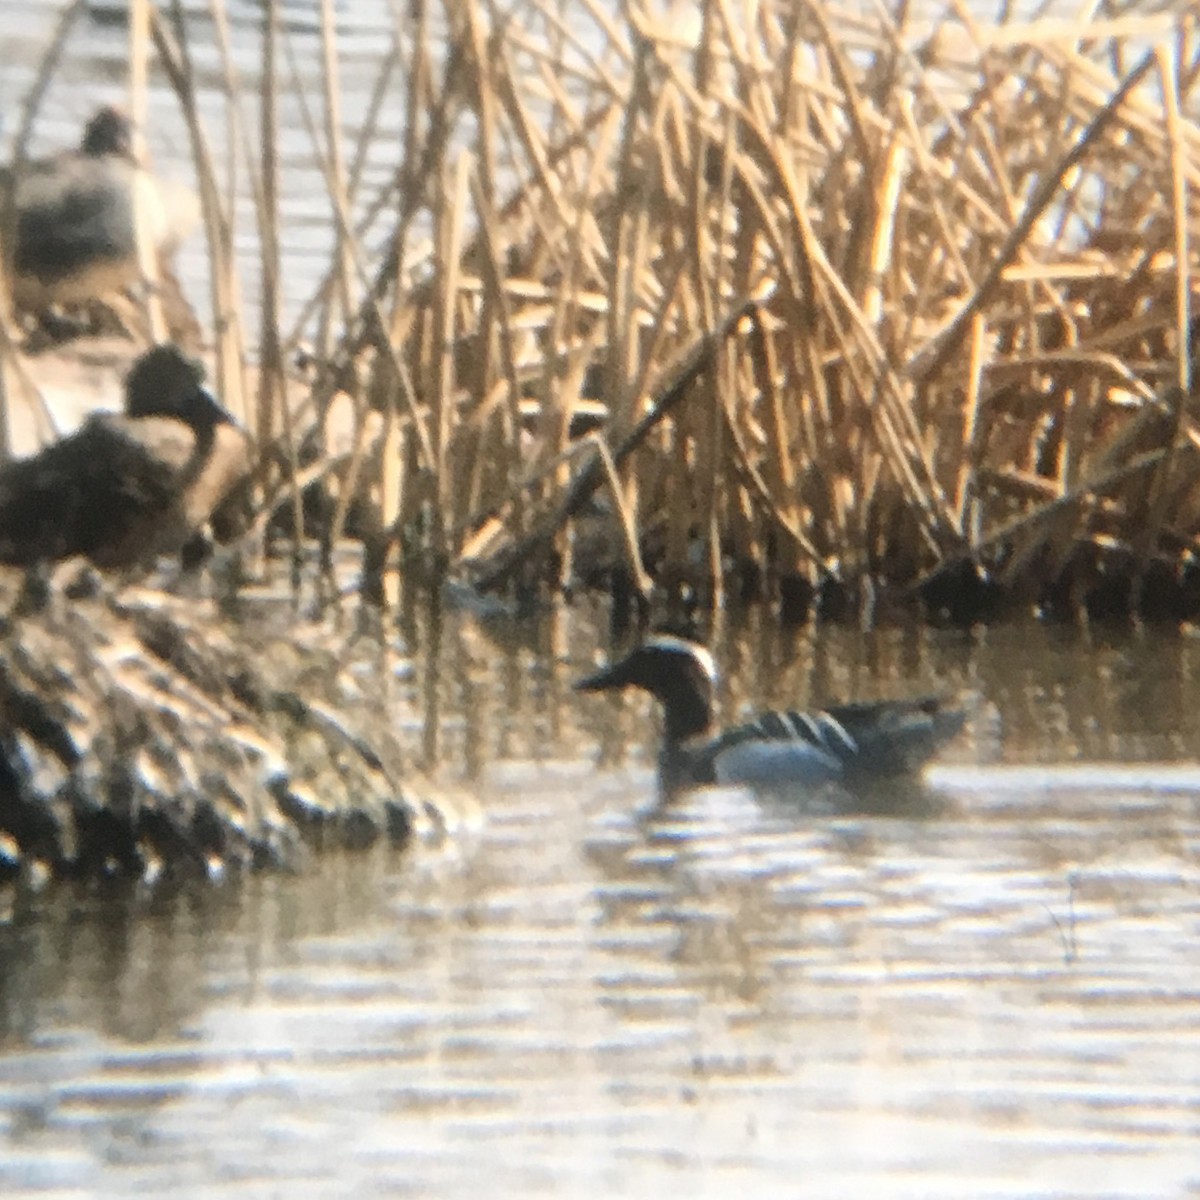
x: 73, y: 219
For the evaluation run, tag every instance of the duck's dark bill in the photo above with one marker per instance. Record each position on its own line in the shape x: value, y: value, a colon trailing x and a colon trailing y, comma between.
x: 213, y: 409
x: 596, y: 682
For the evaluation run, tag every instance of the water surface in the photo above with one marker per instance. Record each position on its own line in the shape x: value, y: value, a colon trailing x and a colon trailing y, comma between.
x: 583, y: 993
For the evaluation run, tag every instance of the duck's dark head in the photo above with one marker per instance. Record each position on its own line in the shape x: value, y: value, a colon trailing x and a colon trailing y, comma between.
x: 108, y: 132
x: 678, y: 673
x: 164, y: 382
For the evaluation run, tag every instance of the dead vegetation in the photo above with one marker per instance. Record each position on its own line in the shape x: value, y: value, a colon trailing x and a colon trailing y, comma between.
x: 140, y: 737
x: 878, y: 306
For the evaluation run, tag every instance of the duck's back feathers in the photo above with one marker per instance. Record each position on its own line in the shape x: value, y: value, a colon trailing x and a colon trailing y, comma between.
x: 848, y: 741
x: 90, y: 493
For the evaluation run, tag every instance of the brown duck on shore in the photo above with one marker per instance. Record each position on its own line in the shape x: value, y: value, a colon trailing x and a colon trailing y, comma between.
x: 74, y: 218
x: 127, y: 487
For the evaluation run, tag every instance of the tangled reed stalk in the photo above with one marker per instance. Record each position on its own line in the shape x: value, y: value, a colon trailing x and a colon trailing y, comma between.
x: 877, y: 305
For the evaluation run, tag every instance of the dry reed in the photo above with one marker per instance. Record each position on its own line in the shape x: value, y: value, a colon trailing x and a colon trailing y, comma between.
x: 931, y: 282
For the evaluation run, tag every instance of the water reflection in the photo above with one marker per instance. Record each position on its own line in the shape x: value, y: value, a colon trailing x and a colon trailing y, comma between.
x: 584, y: 992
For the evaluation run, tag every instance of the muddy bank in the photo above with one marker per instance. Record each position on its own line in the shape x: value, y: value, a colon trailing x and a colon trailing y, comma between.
x: 142, y: 733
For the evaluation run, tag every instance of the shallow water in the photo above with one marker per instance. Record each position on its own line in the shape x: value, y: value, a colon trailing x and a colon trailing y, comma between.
x: 581, y: 993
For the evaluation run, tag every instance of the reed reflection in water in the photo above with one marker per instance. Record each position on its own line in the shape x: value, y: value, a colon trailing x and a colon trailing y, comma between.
x: 581, y: 993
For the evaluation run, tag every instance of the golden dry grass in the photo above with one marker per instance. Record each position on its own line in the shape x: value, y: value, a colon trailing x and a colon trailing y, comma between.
x: 893, y: 303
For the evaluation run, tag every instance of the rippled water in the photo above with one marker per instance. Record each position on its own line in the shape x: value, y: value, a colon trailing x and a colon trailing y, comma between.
x: 580, y: 993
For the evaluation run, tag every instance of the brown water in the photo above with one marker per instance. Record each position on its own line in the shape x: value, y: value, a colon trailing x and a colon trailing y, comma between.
x: 580, y: 993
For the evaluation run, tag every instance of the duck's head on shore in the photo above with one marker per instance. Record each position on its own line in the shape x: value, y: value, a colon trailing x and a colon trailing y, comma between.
x: 165, y: 382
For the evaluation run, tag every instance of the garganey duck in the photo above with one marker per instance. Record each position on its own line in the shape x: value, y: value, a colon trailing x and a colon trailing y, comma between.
x: 849, y: 744
x: 127, y: 487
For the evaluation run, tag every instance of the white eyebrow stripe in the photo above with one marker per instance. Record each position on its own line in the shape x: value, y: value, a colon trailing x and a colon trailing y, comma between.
x: 693, y: 650
x: 830, y: 724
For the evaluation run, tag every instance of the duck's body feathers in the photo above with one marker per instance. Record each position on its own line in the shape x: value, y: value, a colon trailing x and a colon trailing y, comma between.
x: 848, y: 743
x: 72, y: 214
x: 75, y: 234
x: 126, y: 487
x: 98, y: 492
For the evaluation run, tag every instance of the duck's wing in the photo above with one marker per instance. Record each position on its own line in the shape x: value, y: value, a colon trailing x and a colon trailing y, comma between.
x: 899, y: 736
x: 776, y: 747
x: 72, y: 213
x: 89, y: 490
x: 874, y: 738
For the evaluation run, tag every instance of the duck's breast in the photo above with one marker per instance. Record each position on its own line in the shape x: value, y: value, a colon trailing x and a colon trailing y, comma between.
x: 226, y: 465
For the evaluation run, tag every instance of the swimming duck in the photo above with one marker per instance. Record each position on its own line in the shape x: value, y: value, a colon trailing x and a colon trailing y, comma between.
x: 127, y: 487
x: 849, y: 744
x: 74, y: 218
